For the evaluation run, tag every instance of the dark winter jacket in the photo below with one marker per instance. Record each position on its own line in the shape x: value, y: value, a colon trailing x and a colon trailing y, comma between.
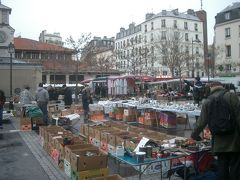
x: 86, y: 100
x: 68, y: 96
x: 226, y: 143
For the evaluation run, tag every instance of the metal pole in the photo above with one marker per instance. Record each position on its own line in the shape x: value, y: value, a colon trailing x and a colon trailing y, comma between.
x: 192, y: 60
x: 11, y: 76
x: 208, y: 67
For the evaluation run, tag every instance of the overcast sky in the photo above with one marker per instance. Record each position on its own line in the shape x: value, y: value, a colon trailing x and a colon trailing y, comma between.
x: 100, y: 17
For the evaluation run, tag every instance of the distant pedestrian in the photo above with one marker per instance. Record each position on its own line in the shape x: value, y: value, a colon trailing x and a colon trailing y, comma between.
x: 42, y: 98
x: 67, y: 96
x: 198, y: 90
x: 26, y: 96
x: 53, y: 96
x: 86, y: 100
x: 2, y: 102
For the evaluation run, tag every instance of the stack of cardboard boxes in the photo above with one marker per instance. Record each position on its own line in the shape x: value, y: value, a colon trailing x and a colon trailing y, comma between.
x: 71, y: 153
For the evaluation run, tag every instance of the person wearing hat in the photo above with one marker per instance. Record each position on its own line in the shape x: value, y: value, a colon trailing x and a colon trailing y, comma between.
x: 25, y: 96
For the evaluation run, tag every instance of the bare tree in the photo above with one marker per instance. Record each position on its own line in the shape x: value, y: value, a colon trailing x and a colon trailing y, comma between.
x: 133, y: 57
x: 105, y: 62
x: 78, y: 47
x: 173, y: 53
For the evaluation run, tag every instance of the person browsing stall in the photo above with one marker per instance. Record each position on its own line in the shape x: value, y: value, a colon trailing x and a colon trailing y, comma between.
x: 226, y: 139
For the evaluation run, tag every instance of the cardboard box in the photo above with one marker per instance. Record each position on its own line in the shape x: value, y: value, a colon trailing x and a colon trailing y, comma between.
x: 110, y: 177
x: 81, y: 161
x: 150, y: 115
x: 141, y: 119
x: 150, y: 122
x: 90, y: 174
x: 181, y: 120
x: 168, y: 119
x: 121, y: 140
x: 25, y: 121
x: 36, y: 122
x: 104, y: 147
x: 113, y: 136
x: 71, y: 148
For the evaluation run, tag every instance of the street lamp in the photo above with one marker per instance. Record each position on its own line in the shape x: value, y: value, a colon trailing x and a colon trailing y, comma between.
x: 197, y: 41
x: 11, y: 50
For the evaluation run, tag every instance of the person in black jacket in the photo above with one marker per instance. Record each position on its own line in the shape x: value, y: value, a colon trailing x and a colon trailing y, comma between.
x: 198, y: 90
x: 86, y: 100
x: 67, y: 96
x: 2, y: 102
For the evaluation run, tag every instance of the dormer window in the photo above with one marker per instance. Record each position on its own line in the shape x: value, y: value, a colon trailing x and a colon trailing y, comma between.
x: 5, y: 17
x: 227, y: 15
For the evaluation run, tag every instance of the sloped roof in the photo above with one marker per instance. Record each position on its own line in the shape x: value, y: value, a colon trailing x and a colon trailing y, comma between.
x: 5, y: 7
x: 178, y: 15
x: 28, y: 44
x: 234, y: 5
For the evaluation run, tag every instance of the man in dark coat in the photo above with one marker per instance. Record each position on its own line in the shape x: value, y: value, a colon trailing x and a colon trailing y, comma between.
x: 226, y: 147
x: 86, y: 100
x: 198, y: 90
x: 67, y: 96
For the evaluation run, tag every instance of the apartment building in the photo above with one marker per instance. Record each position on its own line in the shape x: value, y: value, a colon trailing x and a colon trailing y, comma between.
x: 140, y: 48
x: 227, y: 41
x: 54, y: 38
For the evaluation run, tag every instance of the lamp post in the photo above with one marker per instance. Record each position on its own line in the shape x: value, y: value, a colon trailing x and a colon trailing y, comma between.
x: 197, y: 41
x: 208, y: 68
x: 11, y: 50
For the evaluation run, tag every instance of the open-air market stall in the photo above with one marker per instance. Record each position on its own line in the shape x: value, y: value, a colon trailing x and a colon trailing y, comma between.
x: 121, y: 85
x: 149, y: 152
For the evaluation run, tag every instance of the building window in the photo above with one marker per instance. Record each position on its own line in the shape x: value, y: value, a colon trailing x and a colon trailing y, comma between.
x: 185, y: 25
x: 145, y: 28
x: 164, y: 73
x: 196, y: 27
x: 152, y: 50
x: 196, y: 37
x: 186, y: 37
x: 227, y: 32
x: 187, y: 50
x: 152, y: 26
x: 127, y: 42
x: 152, y: 37
x: 145, y: 39
x: 136, y: 39
x: 197, y: 50
x: 176, y: 35
x: 228, y: 67
x: 227, y: 15
x: 228, y: 51
x: 175, y: 24
x: 164, y: 35
x: 140, y: 39
x: 164, y: 62
x: 163, y: 23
